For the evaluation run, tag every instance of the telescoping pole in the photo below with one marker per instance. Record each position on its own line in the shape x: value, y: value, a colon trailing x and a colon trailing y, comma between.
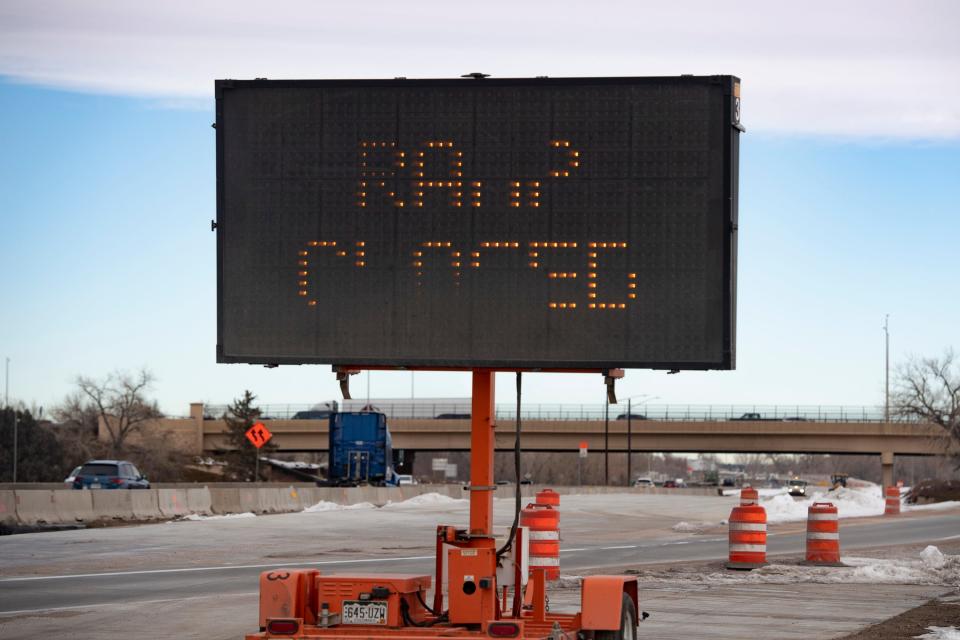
x: 481, y: 453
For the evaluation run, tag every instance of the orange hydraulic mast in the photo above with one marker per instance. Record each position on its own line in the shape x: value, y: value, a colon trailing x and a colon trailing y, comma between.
x: 481, y: 453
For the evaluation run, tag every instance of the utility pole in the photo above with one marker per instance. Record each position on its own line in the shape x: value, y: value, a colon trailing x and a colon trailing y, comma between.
x: 886, y: 395
x: 606, y: 442
x: 6, y: 404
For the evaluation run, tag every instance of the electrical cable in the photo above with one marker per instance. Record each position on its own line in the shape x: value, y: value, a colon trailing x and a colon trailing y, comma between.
x: 516, y: 467
x: 424, y: 605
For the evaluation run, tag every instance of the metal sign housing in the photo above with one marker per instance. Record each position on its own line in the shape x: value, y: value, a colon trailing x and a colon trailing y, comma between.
x: 551, y: 223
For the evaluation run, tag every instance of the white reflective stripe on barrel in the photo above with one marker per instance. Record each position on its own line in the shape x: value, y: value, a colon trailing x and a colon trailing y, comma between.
x: 816, y: 535
x: 544, y: 535
x: 822, y: 516
x: 747, y: 526
x: 543, y: 561
x: 750, y: 548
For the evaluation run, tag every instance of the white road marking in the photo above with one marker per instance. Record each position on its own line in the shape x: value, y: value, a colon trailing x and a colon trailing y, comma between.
x: 625, y: 546
x: 217, y: 568
x: 120, y: 604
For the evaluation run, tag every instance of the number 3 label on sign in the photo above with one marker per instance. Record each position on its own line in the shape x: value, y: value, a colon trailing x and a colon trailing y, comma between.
x: 258, y: 435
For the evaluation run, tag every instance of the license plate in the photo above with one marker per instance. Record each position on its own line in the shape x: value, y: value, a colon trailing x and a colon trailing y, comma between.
x: 94, y: 485
x: 356, y: 612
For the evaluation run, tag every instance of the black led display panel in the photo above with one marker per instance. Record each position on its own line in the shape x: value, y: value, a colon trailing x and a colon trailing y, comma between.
x: 552, y: 223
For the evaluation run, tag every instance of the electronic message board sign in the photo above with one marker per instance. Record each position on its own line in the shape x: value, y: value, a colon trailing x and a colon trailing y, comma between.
x: 548, y: 223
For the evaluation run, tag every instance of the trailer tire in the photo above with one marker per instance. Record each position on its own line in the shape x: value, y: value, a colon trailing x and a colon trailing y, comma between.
x: 628, y: 623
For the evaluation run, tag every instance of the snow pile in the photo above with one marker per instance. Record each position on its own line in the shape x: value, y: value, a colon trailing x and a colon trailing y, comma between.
x: 323, y: 505
x: 766, y: 493
x: 940, y: 633
x: 696, y: 527
x: 194, y: 517
x: 850, y: 503
x: 931, y: 568
x: 932, y: 506
x: 293, y: 464
x: 933, y: 557
x: 426, y: 500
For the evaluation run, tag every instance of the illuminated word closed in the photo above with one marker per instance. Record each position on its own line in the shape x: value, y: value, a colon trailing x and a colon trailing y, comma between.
x: 449, y: 255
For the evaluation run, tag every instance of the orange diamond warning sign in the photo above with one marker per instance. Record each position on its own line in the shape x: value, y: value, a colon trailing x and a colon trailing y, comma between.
x: 258, y: 435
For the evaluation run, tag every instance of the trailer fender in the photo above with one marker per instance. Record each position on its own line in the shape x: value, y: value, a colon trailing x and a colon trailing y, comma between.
x: 601, y: 598
x: 288, y: 593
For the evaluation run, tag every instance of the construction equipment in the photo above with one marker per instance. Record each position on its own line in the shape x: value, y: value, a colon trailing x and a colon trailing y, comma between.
x: 480, y: 591
x: 838, y: 480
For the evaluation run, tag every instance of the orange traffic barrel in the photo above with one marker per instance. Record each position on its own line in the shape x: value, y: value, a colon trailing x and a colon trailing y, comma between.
x: 823, y: 535
x: 749, y: 495
x: 548, y: 497
x: 544, y: 524
x: 893, y: 501
x: 748, y: 537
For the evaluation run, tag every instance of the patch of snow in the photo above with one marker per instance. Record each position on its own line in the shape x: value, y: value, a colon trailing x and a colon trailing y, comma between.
x: 940, y: 633
x: 695, y: 527
x: 323, y: 505
x: 921, y: 571
x: 850, y: 503
x: 292, y: 464
x: 426, y: 499
x: 932, y: 506
x: 933, y: 557
x: 194, y: 517
x: 766, y: 493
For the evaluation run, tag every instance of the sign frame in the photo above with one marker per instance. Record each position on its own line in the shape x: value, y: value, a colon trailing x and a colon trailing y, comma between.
x: 729, y: 179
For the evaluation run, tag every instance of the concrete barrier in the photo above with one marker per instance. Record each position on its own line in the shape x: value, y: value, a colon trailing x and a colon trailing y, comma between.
x: 35, y: 506
x: 289, y: 500
x: 74, y: 506
x: 8, y: 507
x: 223, y: 501
x: 270, y: 500
x: 309, y: 496
x: 145, y: 505
x: 198, y: 501
x: 65, y: 506
x: 112, y: 505
x: 250, y: 500
x: 172, y: 502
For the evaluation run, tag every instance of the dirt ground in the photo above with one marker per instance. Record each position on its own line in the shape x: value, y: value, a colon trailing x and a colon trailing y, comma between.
x: 939, y: 612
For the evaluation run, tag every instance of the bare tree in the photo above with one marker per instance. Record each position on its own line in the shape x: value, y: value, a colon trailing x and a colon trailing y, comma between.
x: 118, y: 400
x: 928, y: 389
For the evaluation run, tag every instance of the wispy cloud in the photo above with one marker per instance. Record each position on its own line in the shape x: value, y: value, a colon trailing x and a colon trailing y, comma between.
x: 879, y: 69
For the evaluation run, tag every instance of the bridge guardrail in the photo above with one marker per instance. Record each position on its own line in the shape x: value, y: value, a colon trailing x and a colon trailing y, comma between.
x: 664, y: 412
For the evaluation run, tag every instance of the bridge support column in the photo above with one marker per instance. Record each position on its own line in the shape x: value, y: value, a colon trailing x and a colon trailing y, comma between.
x: 886, y: 466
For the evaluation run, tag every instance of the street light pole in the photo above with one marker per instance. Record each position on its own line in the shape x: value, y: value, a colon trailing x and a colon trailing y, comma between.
x: 886, y: 396
x: 629, y: 440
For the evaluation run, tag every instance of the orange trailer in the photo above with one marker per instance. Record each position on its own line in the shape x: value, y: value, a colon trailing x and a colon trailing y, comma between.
x: 488, y: 593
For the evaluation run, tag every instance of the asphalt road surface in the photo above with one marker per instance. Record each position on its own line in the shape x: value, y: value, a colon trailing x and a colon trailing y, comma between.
x: 66, y: 591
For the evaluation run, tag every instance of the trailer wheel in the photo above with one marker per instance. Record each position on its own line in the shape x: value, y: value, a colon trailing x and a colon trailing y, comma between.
x: 628, y: 623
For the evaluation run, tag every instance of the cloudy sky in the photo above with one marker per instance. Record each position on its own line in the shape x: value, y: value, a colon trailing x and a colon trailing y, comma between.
x: 849, y: 178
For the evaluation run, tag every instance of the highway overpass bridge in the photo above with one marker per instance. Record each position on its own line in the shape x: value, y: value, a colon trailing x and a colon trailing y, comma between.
x: 883, y: 439
x: 199, y: 434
